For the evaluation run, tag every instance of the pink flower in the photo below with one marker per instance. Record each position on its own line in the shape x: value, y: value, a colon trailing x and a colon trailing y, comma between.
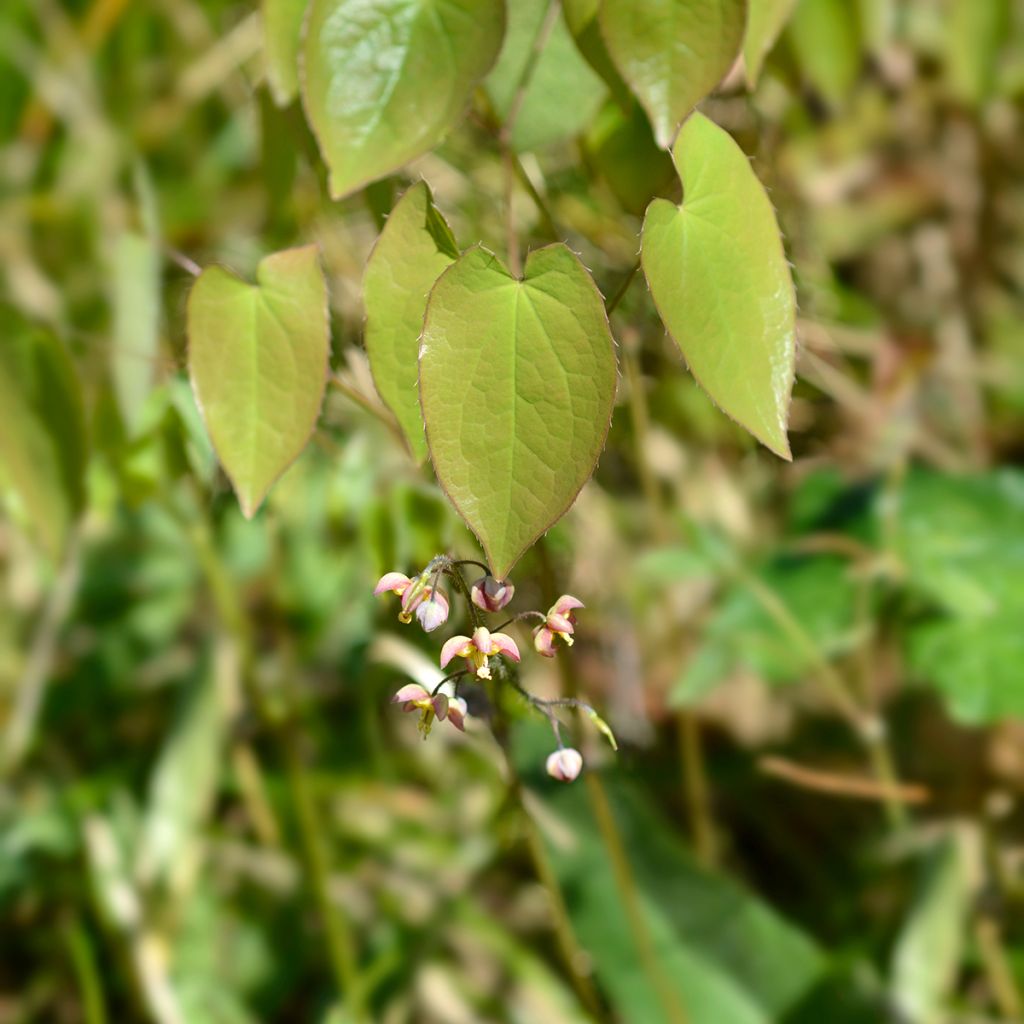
x: 560, y: 621
x: 476, y: 649
x: 414, y: 697
x: 429, y: 604
x: 564, y: 764
x: 490, y: 594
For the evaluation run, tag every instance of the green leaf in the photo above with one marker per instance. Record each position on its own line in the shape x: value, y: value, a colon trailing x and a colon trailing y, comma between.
x: 137, y: 274
x: 559, y: 72
x: 961, y: 543
x: 384, y: 82
x: 720, y: 280
x: 765, y: 21
x: 975, y: 34
x: 826, y: 37
x: 584, y: 25
x: 258, y: 363
x: 974, y: 663
x: 930, y: 947
x: 415, y: 246
x: 282, y: 32
x: 623, y: 150
x: 517, y: 381
x: 672, y: 53
x: 42, y: 443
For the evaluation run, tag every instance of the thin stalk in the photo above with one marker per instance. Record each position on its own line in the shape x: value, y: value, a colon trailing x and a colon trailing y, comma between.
x: 998, y: 972
x: 695, y: 785
x: 620, y: 292
x: 87, y: 974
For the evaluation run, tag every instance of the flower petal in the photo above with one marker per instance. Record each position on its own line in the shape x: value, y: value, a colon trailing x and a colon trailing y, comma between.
x: 565, y: 764
x: 501, y: 643
x: 433, y: 612
x: 559, y: 623
x: 544, y: 642
x: 440, y: 704
x: 456, y: 647
x: 410, y: 692
x: 490, y: 594
x: 396, y: 582
x: 565, y: 604
x: 457, y: 712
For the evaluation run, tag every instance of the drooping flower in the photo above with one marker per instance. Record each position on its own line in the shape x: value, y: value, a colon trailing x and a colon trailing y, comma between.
x: 476, y: 649
x: 564, y: 764
x: 560, y: 621
x: 490, y: 594
x: 414, y: 697
x: 429, y: 604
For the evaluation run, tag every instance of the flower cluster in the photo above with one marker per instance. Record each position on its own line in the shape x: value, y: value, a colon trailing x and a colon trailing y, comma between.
x: 484, y: 651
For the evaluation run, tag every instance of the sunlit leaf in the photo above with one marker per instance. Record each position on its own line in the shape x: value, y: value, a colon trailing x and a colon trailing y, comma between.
x: 765, y: 22
x: 258, y: 363
x: 42, y: 443
x: 719, y: 277
x: 559, y: 72
x: 383, y: 82
x: 415, y: 246
x: 517, y: 379
x: 672, y: 53
x: 137, y: 280
x: 282, y: 32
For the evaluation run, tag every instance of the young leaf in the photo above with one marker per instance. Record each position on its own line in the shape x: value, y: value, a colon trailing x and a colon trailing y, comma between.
x: 282, y: 32
x: 136, y: 281
x: 672, y: 53
x: 384, y: 82
x: 720, y: 280
x: 42, y: 448
x: 765, y: 21
x: 517, y: 381
x: 415, y: 246
x: 559, y: 71
x: 258, y: 363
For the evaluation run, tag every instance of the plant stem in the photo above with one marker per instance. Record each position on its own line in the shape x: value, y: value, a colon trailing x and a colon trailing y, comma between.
x: 87, y: 974
x: 695, y: 785
x: 620, y: 292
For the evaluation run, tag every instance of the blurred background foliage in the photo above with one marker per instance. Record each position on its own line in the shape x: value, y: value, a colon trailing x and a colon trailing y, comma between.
x: 208, y: 811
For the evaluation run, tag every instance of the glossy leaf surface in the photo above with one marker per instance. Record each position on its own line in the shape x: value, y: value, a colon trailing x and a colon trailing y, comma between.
x: 672, y: 53
x: 517, y: 380
x: 719, y: 277
x: 384, y: 81
x: 258, y: 362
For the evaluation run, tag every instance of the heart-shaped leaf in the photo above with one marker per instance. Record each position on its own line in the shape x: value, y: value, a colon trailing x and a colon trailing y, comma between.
x: 258, y: 362
x: 383, y: 82
x: 415, y: 246
x: 672, y: 53
x: 720, y: 280
x: 765, y: 21
x: 517, y: 381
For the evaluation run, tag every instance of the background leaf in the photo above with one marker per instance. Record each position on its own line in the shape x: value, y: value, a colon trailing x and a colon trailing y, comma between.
x: 672, y: 53
x: 258, y: 363
x: 720, y: 280
x: 415, y: 246
x: 137, y: 282
x: 42, y: 443
x: 384, y: 83
x: 533, y: 365
x: 765, y: 21
x: 282, y: 32
x: 975, y: 34
x: 825, y: 35
x: 582, y: 21
x: 563, y: 91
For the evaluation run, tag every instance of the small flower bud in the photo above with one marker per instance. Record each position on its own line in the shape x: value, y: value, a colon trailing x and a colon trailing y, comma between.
x: 490, y: 594
x: 565, y: 764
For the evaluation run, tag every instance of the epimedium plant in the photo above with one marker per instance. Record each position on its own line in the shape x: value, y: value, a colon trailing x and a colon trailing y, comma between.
x: 501, y: 372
